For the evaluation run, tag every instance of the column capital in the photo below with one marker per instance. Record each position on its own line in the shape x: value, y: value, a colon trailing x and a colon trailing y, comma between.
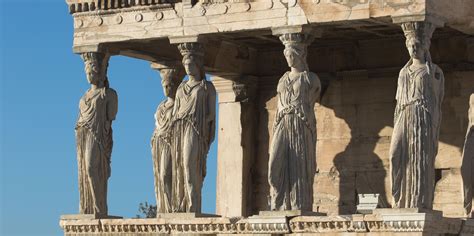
x: 187, y: 39
x: 99, y: 48
x: 435, y: 20
x: 297, y: 29
x: 171, y: 64
x: 235, y: 88
x: 173, y: 70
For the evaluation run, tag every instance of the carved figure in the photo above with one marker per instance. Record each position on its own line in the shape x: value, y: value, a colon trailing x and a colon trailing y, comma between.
x: 97, y: 110
x: 292, y: 161
x: 161, y: 140
x: 468, y: 159
x: 193, y: 131
x: 417, y: 119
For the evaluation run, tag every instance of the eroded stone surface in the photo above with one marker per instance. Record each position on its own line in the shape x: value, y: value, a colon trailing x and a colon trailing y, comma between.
x: 161, y: 149
x: 97, y: 109
x: 291, y: 166
x: 194, y: 121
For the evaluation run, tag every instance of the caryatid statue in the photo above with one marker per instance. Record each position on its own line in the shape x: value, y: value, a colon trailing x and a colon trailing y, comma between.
x: 417, y: 120
x: 161, y: 148
x: 97, y: 110
x: 193, y: 130
x: 468, y: 159
x: 292, y: 161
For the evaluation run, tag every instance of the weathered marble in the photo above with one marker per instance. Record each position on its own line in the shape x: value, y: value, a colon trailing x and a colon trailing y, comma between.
x: 384, y: 222
x: 417, y: 121
x: 128, y: 20
x: 193, y: 130
x: 161, y: 147
x: 97, y: 110
x: 236, y: 144
x: 292, y: 163
x: 357, y: 57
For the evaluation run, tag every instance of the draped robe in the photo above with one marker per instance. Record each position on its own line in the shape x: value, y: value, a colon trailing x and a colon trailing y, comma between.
x: 468, y: 159
x: 193, y: 132
x: 97, y: 109
x: 161, y: 153
x: 292, y: 161
x: 414, y: 143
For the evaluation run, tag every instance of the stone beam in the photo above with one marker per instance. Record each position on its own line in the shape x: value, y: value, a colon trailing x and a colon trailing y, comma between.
x: 163, y: 20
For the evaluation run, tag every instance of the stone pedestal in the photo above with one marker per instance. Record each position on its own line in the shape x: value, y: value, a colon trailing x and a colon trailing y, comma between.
x: 291, y: 213
x: 184, y: 215
x: 87, y: 217
x: 411, y: 220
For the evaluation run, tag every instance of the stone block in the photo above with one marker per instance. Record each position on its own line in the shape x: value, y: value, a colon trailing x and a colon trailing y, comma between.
x: 184, y: 215
x: 374, y: 119
x: 449, y: 194
x: 335, y: 192
x: 289, y: 213
x: 335, y: 122
x: 367, y: 203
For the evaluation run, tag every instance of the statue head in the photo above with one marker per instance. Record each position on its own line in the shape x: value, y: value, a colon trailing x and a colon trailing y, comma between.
x: 170, y: 80
x: 418, y: 39
x: 193, y: 59
x: 96, y: 68
x: 295, y: 52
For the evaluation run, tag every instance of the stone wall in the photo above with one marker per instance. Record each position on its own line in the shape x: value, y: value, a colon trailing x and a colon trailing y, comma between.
x: 355, y: 121
x: 354, y: 126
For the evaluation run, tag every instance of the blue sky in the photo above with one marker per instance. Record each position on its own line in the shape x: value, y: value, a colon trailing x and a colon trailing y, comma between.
x: 41, y: 82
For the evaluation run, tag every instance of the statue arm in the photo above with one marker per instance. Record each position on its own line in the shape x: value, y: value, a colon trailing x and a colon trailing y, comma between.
x: 471, y: 111
x: 398, y: 107
x: 315, y: 88
x: 212, y: 112
x: 440, y: 76
x: 112, y: 105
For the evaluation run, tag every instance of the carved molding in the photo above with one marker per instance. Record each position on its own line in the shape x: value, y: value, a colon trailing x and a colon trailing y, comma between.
x: 326, y: 224
x: 263, y: 225
x: 404, y: 222
x: 212, y: 228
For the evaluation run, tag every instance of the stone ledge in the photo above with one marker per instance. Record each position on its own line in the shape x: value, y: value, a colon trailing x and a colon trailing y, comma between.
x: 386, y: 221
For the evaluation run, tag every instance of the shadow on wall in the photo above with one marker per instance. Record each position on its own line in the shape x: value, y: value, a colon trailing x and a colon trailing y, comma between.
x: 366, y: 105
x: 266, y: 108
x: 355, y: 121
x: 360, y: 169
x: 362, y: 166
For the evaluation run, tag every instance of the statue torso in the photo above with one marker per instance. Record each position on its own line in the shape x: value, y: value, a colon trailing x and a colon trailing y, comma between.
x: 420, y: 87
x: 190, y: 97
x: 163, y: 118
x: 297, y: 95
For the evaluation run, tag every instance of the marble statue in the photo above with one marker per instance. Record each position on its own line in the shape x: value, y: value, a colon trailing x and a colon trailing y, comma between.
x: 417, y: 120
x: 468, y: 158
x: 97, y: 110
x: 161, y: 140
x: 193, y: 130
x: 292, y: 161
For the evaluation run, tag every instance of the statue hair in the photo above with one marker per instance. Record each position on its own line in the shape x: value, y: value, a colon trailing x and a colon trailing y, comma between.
x: 422, y: 33
x: 297, y: 43
x: 101, y: 62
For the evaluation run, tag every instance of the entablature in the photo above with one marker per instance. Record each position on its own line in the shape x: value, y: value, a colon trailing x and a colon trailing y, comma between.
x: 107, y: 21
